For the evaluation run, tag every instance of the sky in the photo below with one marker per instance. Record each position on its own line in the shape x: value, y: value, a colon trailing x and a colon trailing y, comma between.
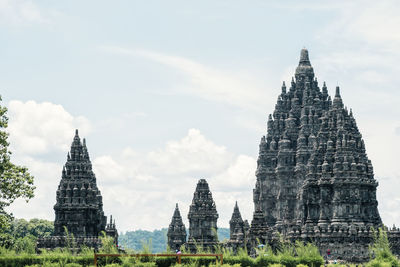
x: 170, y: 92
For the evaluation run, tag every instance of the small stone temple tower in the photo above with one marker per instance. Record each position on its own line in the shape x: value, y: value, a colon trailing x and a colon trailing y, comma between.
x: 236, y: 223
x: 79, y: 205
x: 176, y: 231
x: 202, y: 219
x: 238, y: 230
x: 111, y: 230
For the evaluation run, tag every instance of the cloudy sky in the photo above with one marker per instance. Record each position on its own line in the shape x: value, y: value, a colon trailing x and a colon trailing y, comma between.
x: 168, y: 92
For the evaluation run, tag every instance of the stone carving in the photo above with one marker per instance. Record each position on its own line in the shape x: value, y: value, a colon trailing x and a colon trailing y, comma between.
x: 202, y: 219
x: 176, y: 231
x: 314, y: 179
x: 79, y: 204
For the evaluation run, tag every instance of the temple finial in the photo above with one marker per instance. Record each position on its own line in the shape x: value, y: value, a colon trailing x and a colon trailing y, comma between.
x: 337, y: 93
x: 337, y: 101
x: 304, y: 70
x: 304, y: 59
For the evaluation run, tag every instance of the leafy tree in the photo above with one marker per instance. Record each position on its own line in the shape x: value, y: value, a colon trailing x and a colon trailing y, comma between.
x: 22, y: 234
x: 35, y: 227
x: 15, y: 181
x: 381, y: 251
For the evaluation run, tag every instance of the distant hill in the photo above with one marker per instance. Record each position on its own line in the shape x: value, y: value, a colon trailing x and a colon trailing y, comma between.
x: 136, y: 239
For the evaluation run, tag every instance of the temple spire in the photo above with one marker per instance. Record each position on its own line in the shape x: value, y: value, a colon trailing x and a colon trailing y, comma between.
x: 176, y: 231
x: 77, y: 188
x: 177, y: 212
x: 304, y: 60
x: 337, y: 101
x: 203, y: 218
x: 304, y: 71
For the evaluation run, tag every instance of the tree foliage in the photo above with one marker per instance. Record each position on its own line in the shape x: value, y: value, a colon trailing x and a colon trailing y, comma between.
x: 136, y: 239
x: 15, y: 181
x: 21, y: 235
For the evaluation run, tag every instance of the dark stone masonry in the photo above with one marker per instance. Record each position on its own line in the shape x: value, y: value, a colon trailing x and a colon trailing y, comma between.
x: 239, y: 230
x: 176, y: 231
x: 314, y: 179
x: 79, y: 204
x: 314, y: 183
x: 202, y: 219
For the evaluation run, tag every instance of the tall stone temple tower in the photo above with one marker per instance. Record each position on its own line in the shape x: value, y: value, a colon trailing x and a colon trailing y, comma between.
x: 202, y: 219
x: 314, y: 178
x: 176, y: 231
x: 79, y: 204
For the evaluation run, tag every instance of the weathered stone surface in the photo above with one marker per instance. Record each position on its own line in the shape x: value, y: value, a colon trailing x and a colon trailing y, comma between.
x: 202, y: 219
x: 176, y: 231
x: 79, y: 204
x: 239, y: 230
x: 314, y: 179
x: 111, y: 230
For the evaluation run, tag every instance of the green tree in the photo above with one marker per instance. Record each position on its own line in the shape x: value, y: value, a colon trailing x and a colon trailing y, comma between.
x: 15, y: 181
x: 20, y: 228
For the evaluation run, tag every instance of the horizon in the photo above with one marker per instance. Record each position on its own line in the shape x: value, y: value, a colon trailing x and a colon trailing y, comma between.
x: 169, y: 93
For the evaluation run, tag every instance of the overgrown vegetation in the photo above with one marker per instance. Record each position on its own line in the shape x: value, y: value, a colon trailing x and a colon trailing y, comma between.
x: 22, y: 253
x: 21, y: 235
x: 380, y: 252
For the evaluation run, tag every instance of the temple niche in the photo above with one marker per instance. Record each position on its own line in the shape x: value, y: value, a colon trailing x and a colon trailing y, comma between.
x: 203, y: 218
x: 79, y: 204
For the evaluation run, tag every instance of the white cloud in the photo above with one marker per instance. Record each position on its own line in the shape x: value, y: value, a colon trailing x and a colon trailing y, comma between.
x: 378, y: 22
x: 149, y: 184
x: 193, y: 153
x: 21, y: 12
x: 47, y: 175
x: 38, y: 128
x: 238, y: 176
x: 239, y: 88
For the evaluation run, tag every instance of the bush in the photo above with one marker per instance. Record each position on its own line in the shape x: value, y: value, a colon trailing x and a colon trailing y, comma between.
x: 45, y: 260
x: 288, y: 261
x: 225, y: 265
x: 381, y: 263
x: 266, y: 260
x: 311, y: 261
x: 165, y: 261
x: 242, y: 260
